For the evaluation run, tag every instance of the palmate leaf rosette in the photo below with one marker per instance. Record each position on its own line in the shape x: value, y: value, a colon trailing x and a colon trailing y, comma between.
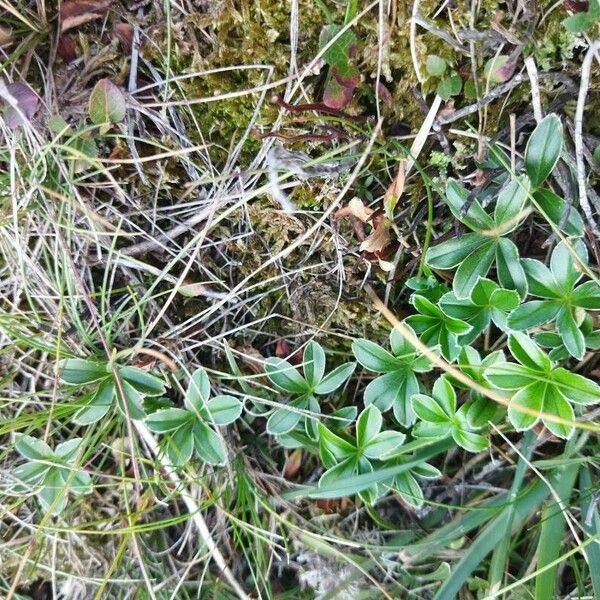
x: 193, y: 428
x: 541, y: 389
x: 474, y: 253
x: 564, y: 299
x: 50, y: 474
x: 398, y: 382
x: 440, y: 418
x: 344, y: 457
x: 312, y: 382
x: 134, y: 387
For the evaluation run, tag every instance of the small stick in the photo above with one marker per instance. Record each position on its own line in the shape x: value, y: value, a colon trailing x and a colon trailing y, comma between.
x: 317, y: 107
x: 535, y: 88
x: 303, y: 137
x: 579, y: 155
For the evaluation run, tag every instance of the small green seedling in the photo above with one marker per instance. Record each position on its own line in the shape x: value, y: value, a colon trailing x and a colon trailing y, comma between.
x: 193, y: 427
x: 50, y: 474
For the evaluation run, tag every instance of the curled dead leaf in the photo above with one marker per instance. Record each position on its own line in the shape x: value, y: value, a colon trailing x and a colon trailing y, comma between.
x: 395, y: 190
x: 74, y: 13
x: 354, y: 208
x: 378, y: 239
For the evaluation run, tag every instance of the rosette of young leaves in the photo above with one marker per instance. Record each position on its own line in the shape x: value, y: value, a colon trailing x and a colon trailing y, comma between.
x: 436, y: 328
x: 135, y: 385
x: 563, y: 300
x: 398, y: 383
x: 557, y: 349
x: 540, y: 388
x: 487, y: 303
x: 440, y: 417
x: 313, y: 383
x: 193, y: 427
x: 52, y: 474
x: 474, y: 253
x: 480, y: 409
x: 342, y: 457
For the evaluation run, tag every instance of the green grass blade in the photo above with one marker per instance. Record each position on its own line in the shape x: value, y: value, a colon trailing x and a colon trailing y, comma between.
x: 553, y: 528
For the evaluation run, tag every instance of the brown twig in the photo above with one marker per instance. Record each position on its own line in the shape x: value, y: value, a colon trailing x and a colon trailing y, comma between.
x: 317, y: 107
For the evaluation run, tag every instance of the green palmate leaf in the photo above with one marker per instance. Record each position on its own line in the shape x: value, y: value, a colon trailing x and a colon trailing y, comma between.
x: 368, y: 425
x: 33, y: 449
x: 147, y: 384
x: 208, y: 444
x: 168, y: 419
x: 577, y: 388
x: 570, y: 333
x: 543, y: 149
x: 534, y: 313
x: 283, y: 420
x: 476, y: 218
x: 107, y: 103
x: 79, y: 371
x: 223, y: 409
x: 373, y: 357
x: 179, y: 445
x: 510, y: 203
x: 510, y: 271
x: 487, y: 303
x: 564, y: 264
x: 476, y: 265
x: 526, y: 405
x: 332, y: 381
x: 53, y: 494
x: 587, y: 295
x: 67, y: 451
x: 437, y: 328
x: 100, y: 403
x: 285, y: 376
x: 384, y: 444
x: 440, y: 418
x: 132, y: 405
x: 198, y: 391
x: 542, y: 390
x: 333, y: 448
x: 30, y: 474
x: 528, y: 353
x: 394, y: 390
x: 313, y: 363
x: 451, y: 253
x: 555, y: 209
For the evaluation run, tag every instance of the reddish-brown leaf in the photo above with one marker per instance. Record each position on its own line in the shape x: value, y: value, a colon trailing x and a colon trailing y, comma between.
x: 26, y: 100
x: 124, y: 33
x: 74, y: 13
x: 67, y: 48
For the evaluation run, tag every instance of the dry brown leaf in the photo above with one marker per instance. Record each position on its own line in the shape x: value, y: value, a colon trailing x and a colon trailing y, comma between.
x: 74, y: 13
x: 124, y: 33
x: 395, y: 190
x: 293, y: 463
x: 354, y: 208
x: 6, y: 36
x: 66, y: 48
x: 378, y: 239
